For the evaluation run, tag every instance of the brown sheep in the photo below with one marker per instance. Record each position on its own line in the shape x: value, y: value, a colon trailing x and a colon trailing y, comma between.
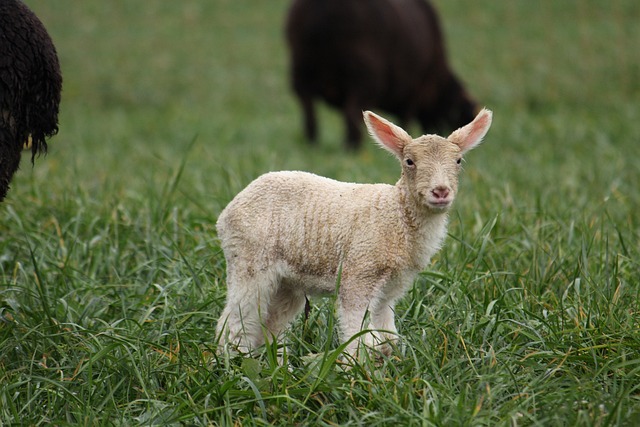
x: 30, y: 85
x: 384, y: 54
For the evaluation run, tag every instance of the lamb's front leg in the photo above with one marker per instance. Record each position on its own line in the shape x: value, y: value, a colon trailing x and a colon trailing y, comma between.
x: 355, y: 299
x: 351, y: 317
x: 383, y: 322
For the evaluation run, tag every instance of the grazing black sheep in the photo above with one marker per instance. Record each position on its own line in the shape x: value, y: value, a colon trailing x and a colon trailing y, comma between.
x: 359, y: 55
x: 30, y: 85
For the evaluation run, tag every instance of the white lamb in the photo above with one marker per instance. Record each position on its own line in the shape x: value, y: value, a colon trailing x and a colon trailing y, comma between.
x: 289, y: 234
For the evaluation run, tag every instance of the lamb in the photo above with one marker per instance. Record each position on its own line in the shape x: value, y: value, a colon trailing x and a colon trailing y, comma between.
x: 288, y: 235
x: 30, y: 86
x: 387, y: 54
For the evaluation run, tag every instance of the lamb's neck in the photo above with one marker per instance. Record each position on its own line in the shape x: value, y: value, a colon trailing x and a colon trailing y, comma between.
x: 425, y: 230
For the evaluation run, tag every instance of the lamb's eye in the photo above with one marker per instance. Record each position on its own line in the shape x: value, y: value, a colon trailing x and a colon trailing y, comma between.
x: 409, y: 162
x: 459, y: 160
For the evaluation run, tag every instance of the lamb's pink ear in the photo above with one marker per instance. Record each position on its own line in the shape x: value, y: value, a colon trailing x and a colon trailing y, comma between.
x: 469, y: 136
x: 388, y: 135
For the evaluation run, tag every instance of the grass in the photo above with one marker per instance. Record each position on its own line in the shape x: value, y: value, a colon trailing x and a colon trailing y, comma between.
x: 111, y: 277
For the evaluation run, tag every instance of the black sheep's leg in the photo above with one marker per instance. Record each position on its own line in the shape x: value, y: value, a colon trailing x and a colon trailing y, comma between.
x: 353, y: 122
x: 302, y: 82
x: 310, y: 126
x: 427, y: 122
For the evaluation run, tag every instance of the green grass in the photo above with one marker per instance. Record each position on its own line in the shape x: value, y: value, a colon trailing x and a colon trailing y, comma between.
x: 111, y: 276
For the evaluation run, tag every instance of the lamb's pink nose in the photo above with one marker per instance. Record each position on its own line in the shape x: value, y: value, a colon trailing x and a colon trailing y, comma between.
x: 440, y: 192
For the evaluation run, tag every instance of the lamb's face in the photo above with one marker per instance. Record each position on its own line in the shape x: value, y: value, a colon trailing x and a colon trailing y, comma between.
x: 431, y: 165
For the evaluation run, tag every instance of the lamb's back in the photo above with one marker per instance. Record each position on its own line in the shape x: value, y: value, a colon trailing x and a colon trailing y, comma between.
x: 310, y: 221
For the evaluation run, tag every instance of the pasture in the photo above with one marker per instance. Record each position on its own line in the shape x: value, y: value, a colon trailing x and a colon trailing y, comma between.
x: 111, y: 276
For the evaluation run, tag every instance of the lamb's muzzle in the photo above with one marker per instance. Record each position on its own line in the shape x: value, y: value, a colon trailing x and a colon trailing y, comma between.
x: 440, y: 197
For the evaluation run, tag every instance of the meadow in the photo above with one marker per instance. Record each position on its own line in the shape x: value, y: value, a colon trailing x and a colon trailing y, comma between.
x: 112, y: 278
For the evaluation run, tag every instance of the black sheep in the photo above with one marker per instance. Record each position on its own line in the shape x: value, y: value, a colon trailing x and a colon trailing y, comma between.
x: 30, y: 85
x: 387, y: 54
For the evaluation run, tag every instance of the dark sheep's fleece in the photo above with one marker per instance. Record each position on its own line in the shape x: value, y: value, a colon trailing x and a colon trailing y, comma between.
x: 30, y: 86
x: 376, y: 54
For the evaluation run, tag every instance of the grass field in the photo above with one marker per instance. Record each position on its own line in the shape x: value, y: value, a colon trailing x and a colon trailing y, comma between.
x: 111, y: 276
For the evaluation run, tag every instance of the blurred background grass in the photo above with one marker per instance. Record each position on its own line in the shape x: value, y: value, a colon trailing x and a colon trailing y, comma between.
x: 143, y: 80
x: 170, y: 108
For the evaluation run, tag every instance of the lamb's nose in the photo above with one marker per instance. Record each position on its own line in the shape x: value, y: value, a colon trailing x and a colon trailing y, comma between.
x: 440, y: 192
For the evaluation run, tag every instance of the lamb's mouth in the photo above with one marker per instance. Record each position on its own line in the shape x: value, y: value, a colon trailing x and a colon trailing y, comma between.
x: 439, y: 204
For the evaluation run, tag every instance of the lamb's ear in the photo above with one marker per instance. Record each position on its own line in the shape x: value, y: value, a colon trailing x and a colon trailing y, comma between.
x: 469, y: 136
x: 388, y: 135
